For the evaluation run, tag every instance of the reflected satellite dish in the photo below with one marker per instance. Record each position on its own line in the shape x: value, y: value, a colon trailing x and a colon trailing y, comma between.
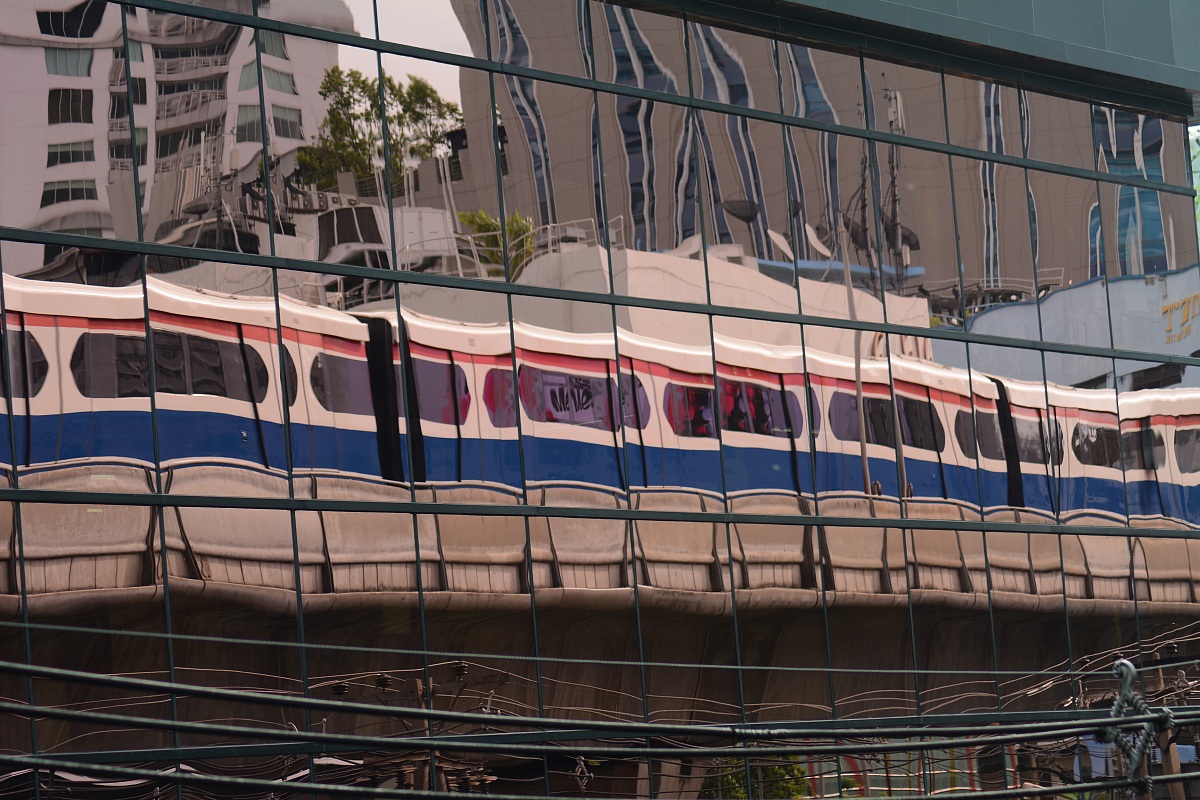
x: 814, y: 241
x: 781, y: 243
x: 745, y: 210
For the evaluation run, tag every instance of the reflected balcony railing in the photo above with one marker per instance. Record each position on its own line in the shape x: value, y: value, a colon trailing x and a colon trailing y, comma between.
x: 178, y: 66
x: 116, y: 73
x: 194, y: 29
x: 175, y: 105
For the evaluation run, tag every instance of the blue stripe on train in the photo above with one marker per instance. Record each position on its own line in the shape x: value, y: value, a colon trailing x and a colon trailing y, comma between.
x: 189, y: 434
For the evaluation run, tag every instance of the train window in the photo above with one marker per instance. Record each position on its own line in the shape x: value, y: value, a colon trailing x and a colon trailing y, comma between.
x: 1187, y: 449
x: 341, y: 385
x: 843, y: 419
x: 1031, y: 441
x: 108, y: 365
x: 132, y: 373
x: 750, y: 408
x: 442, y: 394
x: 498, y: 398
x: 550, y: 396
x: 919, y: 425
x: 207, y: 367
x: 170, y: 371
x: 1096, y: 446
x: 27, y: 364
x: 1143, y: 449
x: 988, y: 427
x: 689, y: 410
x: 635, y: 404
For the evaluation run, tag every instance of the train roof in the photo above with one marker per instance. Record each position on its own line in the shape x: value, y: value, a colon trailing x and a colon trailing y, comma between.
x: 477, y: 338
x: 126, y: 302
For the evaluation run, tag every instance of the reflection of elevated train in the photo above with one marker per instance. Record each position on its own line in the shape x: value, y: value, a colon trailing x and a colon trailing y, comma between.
x: 460, y: 412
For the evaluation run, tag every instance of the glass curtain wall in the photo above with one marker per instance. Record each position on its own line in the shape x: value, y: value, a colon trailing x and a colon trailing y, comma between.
x: 570, y: 398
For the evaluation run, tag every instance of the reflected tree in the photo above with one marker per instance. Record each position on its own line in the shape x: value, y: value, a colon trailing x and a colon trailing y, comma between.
x: 782, y: 779
x: 350, y: 138
x: 486, y: 228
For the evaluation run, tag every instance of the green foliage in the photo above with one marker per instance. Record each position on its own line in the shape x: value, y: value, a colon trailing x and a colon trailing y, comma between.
x: 518, y: 230
x: 350, y: 138
x: 779, y: 779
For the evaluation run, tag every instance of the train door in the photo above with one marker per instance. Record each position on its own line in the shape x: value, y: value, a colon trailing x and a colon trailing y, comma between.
x: 848, y: 439
x: 690, y: 454
x: 104, y: 411
x: 760, y: 422
x: 492, y: 444
x: 1091, y: 475
x: 920, y: 412
x: 1186, y: 444
x: 1147, y: 476
x: 1033, y: 446
x: 639, y: 425
x: 983, y: 473
x: 442, y: 403
x: 28, y: 372
x: 341, y: 417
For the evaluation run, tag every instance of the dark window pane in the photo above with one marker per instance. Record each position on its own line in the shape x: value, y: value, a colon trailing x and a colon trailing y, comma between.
x: 750, y: 408
x: 635, y: 405
x: 988, y: 428
x: 843, y: 418
x: 920, y: 426
x: 442, y: 394
x: 689, y: 410
x: 204, y: 362
x: 1032, y: 439
x: 69, y: 105
x: 498, y: 398
x: 169, y: 370
x: 27, y: 364
x: 341, y: 385
x: 133, y: 375
x: 1143, y: 449
x: 1096, y: 446
x: 1187, y: 450
x: 107, y: 365
x: 79, y: 22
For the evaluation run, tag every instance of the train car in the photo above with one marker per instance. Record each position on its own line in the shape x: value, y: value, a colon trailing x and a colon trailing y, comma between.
x: 82, y: 379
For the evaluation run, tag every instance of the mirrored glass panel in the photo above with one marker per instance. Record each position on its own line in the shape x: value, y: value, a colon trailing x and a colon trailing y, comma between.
x: 1057, y: 130
x: 73, y: 167
x: 905, y: 100
x: 651, y: 180
x: 914, y: 204
x: 821, y: 84
x: 733, y: 67
x: 984, y: 115
x: 1148, y: 247
x: 553, y: 187
x: 1139, y: 145
x: 449, y: 27
x: 1065, y: 219
x: 996, y: 275
x: 639, y: 49
x: 526, y: 33
x: 745, y: 198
